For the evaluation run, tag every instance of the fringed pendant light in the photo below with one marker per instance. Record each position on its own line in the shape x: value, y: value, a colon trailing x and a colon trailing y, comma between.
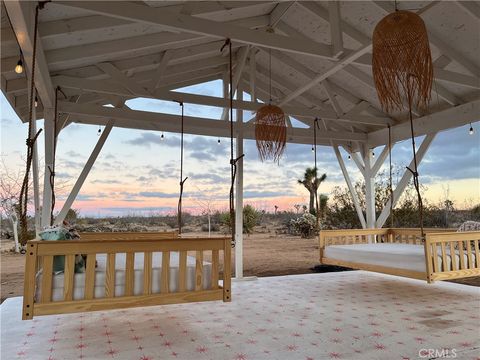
x: 270, y: 128
x: 403, y: 72
x: 402, y: 62
x: 270, y: 132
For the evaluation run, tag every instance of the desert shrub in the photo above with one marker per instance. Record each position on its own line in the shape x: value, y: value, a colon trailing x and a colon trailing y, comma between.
x: 305, y: 225
x: 72, y: 216
x: 251, y: 218
x: 213, y: 227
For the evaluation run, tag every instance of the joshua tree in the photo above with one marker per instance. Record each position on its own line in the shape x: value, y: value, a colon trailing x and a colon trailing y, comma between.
x: 312, y: 182
x: 322, y: 206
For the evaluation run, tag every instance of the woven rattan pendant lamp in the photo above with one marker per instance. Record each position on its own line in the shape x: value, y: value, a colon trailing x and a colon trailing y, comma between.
x: 403, y: 71
x: 402, y: 62
x: 270, y: 128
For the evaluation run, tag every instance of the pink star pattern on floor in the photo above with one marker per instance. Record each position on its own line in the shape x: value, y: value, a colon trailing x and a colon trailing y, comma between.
x: 352, y: 315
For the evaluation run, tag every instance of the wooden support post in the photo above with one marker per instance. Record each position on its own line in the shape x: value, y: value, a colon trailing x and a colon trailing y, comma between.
x: 239, y: 195
x: 83, y: 175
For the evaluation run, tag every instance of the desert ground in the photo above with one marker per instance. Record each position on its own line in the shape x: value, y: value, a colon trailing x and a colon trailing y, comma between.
x: 266, y: 253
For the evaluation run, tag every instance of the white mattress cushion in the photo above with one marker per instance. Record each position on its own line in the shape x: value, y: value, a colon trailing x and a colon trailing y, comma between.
x: 398, y: 256
x: 99, y: 290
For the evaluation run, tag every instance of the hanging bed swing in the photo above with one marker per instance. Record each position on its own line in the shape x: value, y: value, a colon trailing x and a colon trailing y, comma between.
x: 123, y: 270
x: 402, y: 70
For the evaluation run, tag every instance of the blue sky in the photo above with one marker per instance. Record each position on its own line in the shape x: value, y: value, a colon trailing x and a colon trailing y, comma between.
x: 137, y: 172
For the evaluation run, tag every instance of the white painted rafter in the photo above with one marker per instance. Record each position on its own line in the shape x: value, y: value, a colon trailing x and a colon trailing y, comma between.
x: 471, y: 7
x: 202, y: 27
x: 279, y: 12
x: 428, y: 124
x: 335, y: 21
x: 22, y: 14
x: 436, y: 41
x: 112, y: 88
x: 162, y: 66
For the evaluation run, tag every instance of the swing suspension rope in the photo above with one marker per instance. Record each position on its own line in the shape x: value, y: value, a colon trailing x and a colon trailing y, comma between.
x: 182, y: 180
x: 51, y: 168
x: 315, y: 125
x: 23, y: 199
x: 414, y: 171
x: 390, y: 174
x: 233, y: 161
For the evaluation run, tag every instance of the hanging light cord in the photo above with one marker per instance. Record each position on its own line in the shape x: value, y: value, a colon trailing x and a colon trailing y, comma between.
x: 390, y: 177
x: 233, y: 161
x: 23, y: 199
x: 270, y: 73
x: 182, y: 180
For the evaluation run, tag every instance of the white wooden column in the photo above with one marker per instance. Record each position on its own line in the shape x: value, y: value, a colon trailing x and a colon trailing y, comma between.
x: 36, y: 185
x: 369, y: 188
x: 351, y: 187
x: 239, y: 195
x: 35, y: 176
x: 83, y: 175
x: 49, y: 136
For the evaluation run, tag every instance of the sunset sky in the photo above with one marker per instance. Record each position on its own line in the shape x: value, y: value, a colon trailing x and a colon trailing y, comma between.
x: 137, y: 172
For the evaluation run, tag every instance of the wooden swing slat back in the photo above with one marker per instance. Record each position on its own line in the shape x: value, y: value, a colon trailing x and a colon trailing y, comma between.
x: 41, y: 253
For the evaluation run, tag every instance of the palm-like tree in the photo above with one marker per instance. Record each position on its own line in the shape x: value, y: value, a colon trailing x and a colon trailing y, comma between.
x: 312, y: 182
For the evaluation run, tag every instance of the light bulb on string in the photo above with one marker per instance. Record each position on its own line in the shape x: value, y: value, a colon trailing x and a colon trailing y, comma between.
x: 36, y: 101
x: 470, y: 131
x: 373, y: 154
x: 218, y: 141
x: 313, y: 149
x: 19, y: 67
x: 349, y: 157
x: 162, y: 137
x: 99, y: 131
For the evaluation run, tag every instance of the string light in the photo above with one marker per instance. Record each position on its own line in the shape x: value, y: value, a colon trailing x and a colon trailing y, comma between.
x: 313, y: 149
x: 218, y: 141
x: 162, y: 137
x: 373, y: 154
x: 19, y: 67
x: 99, y: 131
x: 36, y: 101
x: 349, y: 157
x: 470, y: 131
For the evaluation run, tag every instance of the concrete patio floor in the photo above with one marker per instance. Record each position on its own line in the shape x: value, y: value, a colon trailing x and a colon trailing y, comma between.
x: 349, y: 315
